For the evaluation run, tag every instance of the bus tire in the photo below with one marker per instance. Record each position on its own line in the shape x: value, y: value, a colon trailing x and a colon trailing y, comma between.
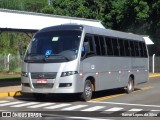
x: 130, y: 85
x: 87, y: 92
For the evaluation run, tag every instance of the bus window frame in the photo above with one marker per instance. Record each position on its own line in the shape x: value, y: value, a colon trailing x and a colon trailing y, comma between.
x: 90, y: 53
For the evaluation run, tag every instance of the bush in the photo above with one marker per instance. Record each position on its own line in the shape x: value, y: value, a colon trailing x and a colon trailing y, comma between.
x: 14, y: 63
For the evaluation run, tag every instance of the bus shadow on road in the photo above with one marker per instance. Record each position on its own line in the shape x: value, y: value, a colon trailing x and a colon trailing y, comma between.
x: 50, y: 98
x: 111, y: 92
x: 72, y: 97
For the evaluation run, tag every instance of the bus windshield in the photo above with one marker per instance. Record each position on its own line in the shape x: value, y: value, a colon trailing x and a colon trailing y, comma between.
x: 54, y: 46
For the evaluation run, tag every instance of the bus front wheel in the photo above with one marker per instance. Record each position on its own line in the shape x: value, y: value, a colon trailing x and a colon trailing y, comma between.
x: 130, y: 85
x: 87, y: 92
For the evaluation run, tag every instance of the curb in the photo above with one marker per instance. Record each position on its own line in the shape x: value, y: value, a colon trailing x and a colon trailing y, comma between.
x: 153, y: 76
x: 10, y: 94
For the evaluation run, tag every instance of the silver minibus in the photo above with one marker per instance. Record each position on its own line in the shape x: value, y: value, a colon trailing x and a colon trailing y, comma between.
x: 74, y: 58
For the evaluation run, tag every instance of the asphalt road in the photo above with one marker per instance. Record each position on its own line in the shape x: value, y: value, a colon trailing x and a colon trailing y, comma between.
x: 143, y: 103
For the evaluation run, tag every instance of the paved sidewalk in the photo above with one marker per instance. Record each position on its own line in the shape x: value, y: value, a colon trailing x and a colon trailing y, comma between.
x: 9, y: 91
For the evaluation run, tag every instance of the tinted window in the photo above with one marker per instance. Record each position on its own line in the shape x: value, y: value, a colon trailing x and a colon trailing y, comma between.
x: 88, y: 47
x: 115, y: 47
x: 141, y: 49
x: 88, y: 40
x: 109, y: 46
x: 121, y: 46
x: 144, y: 49
x: 54, y: 46
x: 132, y: 48
x: 103, y: 51
x: 136, y: 44
x: 97, y: 43
x: 127, y: 47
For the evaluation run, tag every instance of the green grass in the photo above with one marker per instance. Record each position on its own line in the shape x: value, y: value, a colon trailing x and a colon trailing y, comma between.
x: 17, y: 70
x: 8, y: 76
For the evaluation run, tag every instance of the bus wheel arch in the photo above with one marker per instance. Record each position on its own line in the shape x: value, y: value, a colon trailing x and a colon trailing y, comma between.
x: 130, y: 84
x: 92, y: 79
x: 89, y: 87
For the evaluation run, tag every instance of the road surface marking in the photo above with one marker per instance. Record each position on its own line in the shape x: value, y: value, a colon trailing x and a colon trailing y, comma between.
x: 26, y: 104
x: 75, y: 107
x: 113, y: 96
x: 4, y: 101
x: 143, y: 105
x: 135, y: 110
x: 10, y: 103
x: 145, y: 88
x: 156, y: 110
x: 57, y: 106
x: 114, y: 109
x: 40, y: 105
x: 93, y: 108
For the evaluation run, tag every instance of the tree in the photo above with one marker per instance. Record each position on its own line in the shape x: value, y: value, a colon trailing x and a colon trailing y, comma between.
x: 11, y: 4
x: 154, y: 25
x: 34, y: 5
x: 24, y: 5
x: 128, y: 15
x: 116, y: 14
x: 91, y: 9
x: 9, y: 42
x: 137, y: 16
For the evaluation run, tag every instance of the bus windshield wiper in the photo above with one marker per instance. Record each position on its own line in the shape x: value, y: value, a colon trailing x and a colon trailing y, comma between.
x: 47, y: 56
x: 34, y: 54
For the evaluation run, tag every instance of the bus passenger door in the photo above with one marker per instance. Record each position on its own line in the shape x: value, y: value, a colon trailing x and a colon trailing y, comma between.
x: 88, y: 62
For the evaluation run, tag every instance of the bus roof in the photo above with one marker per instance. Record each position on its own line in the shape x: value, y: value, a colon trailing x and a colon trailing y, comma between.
x: 112, y: 33
x: 95, y: 30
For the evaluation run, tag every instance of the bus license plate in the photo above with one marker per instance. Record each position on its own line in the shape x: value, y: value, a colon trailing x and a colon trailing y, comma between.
x: 42, y: 81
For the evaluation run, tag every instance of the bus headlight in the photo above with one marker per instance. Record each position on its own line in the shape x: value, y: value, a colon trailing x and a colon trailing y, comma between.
x: 68, y: 73
x: 25, y: 74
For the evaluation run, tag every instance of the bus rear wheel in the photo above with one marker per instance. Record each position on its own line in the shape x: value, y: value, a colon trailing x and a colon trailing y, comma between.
x: 87, y: 92
x: 130, y: 86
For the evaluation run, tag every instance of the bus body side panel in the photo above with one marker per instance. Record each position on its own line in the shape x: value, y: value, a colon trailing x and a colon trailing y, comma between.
x: 109, y: 72
x: 140, y: 69
x: 114, y: 72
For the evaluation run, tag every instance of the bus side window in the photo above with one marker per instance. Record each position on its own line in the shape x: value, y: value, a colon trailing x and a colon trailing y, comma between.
x: 109, y: 46
x: 121, y: 45
x: 144, y: 49
x: 115, y: 47
x: 102, y: 44
x: 87, y: 48
x: 141, y: 49
x: 98, y: 47
x: 127, y: 47
x: 132, y: 48
x: 137, y: 48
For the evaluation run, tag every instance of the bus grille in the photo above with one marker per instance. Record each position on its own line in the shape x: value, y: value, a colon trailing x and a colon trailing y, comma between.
x: 40, y: 85
x: 43, y: 75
